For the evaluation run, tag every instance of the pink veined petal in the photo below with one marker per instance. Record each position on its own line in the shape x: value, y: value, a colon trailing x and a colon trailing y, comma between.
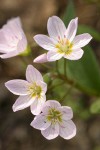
x: 15, y: 27
x: 5, y: 48
x: 22, y: 44
x: 22, y: 102
x: 14, y: 22
x: 50, y: 104
x: 37, y: 105
x: 17, y: 87
x: 67, y: 112
x: 13, y: 30
x: 41, y: 59
x: 44, y: 41
x: 3, y: 43
x: 81, y: 40
x: 43, y: 85
x: 51, y: 132
x: 33, y: 75
x: 53, y: 103
x: 54, y: 55
x: 56, y: 27
x: 40, y: 122
x: 75, y: 55
x: 67, y: 129
x: 72, y: 29
x: 9, y: 54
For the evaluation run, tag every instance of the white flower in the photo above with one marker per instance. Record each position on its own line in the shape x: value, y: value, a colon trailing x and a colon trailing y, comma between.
x: 55, y: 120
x: 12, y: 39
x: 41, y: 59
x: 32, y: 91
x: 62, y: 42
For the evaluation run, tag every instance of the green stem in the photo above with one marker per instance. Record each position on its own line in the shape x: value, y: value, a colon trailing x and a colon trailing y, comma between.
x: 57, y: 67
x: 67, y: 93
x: 71, y: 82
x: 52, y: 87
x: 46, y: 66
x: 65, y: 67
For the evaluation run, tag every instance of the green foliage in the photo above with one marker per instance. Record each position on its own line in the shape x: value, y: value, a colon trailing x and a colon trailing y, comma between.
x: 86, y: 29
x: 47, y: 78
x: 84, y: 72
x: 58, y: 89
x: 95, y: 107
x: 27, y: 52
x: 69, y: 12
x: 78, y: 107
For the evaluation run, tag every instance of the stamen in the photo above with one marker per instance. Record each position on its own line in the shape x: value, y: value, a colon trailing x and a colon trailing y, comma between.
x: 64, y: 46
x: 54, y: 116
x: 35, y: 90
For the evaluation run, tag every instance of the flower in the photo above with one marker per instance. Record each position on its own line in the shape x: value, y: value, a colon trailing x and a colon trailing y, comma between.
x: 12, y: 39
x: 32, y: 91
x: 55, y: 120
x: 62, y: 42
x: 41, y: 59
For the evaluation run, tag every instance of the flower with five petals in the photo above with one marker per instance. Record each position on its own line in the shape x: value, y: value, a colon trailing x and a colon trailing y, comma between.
x: 55, y: 120
x: 12, y: 39
x: 32, y: 92
x: 61, y: 42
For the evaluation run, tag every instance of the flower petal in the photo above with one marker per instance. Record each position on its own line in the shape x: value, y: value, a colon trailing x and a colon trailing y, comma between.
x: 51, y: 132
x: 81, y: 40
x: 44, y: 41
x: 13, y: 32
x: 67, y: 129
x: 17, y: 87
x: 33, y: 75
x: 54, y: 55
x: 9, y: 54
x: 53, y: 103
x: 50, y: 104
x: 56, y: 27
x: 72, y: 29
x: 4, y: 48
x: 13, y: 27
x: 37, y: 105
x: 22, y: 44
x: 40, y: 122
x: 22, y: 102
x: 67, y: 112
x: 43, y: 85
x: 41, y: 59
x: 75, y: 55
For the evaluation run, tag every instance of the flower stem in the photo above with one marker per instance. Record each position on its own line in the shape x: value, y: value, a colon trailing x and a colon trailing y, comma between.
x: 67, y: 93
x: 57, y: 67
x: 54, y: 86
x: 65, y: 67
x: 46, y: 66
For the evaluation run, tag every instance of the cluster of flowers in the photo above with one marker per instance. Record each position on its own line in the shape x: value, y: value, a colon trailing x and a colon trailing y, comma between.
x: 51, y: 118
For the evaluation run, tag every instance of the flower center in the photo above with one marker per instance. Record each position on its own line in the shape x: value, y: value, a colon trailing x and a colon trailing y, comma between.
x: 64, y: 46
x: 35, y: 90
x: 54, y: 116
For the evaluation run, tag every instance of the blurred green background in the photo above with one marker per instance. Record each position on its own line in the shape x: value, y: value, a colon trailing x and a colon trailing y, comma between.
x: 84, y: 96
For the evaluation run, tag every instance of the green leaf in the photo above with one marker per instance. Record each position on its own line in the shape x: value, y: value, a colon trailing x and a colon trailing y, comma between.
x: 86, y: 29
x: 69, y: 13
x: 86, y: 71
x: 47, y: 78
x: 95, y: 107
